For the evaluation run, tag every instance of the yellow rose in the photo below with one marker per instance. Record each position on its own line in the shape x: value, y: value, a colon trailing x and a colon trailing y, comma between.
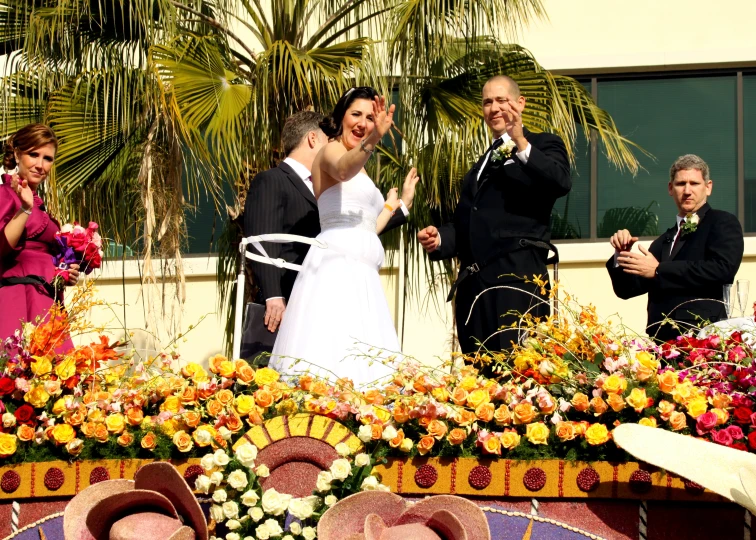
x: 195, y: 372
x: 7, y: 444
x: 169, y: 427
x: 677, y: 421
x: 469, y: 382
x: 115, y: 423
x: 265, y: 376
x: 244, y: 404
x: 59, y: 407
x: 215, y: 361
x: 637, y: 399
x: 696, y: 407
x: 37, y: 397
x: 477, y: 398
x: 509, y: 439
x: 647, y: 360
x: 171, y: 404
x: 382, y: 413
x: 683, y: 391
x: 183, y: 441
x: 722, y: 416
x: 63, y: 433
x: 565, y: 431
x: 616, y: 402
x: 649, y: 421
x: 614, y: 384
x: 440, y: 394
x: 66, y: 369
x: 227, y: 369
x: 597, y: 434
x: 665, y: 408
x: 537, y: 433
x: 41, y: 365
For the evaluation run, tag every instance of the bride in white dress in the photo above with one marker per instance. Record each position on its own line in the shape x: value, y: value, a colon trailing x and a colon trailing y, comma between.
x: 337, y: 323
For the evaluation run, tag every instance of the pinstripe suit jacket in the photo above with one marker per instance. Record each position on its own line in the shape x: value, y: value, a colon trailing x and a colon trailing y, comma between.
x: 279, y: 202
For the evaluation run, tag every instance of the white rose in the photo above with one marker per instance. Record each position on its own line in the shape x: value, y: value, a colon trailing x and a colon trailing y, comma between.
x: 208, y: 462
x: 274, y: 502
x: 694, y: 219
x: 330, y: 500
x: 262, y: 471
x: 382, y: 487
x: 295, y: 528
x: 237, y: 480
x: 202, y: 484
x: 226, y: 433
x: 389, y: 433
x: 220, y: 457
x: 9, y: 420
x: 341, y: 469
x: 216, y: 513
x: 361, y: 460
x: 300, y: 508
x: 323, y: 482
x: 247, y: 454
x: 365, y: 433
x: 232, y: 524
x: 342, y: 449
x: 261, y: 532
x: 288, y: 537
x: 250, y: 498
x: 230, y: 510
x: 256, y: 513
x: 274, y: 529
x: 203, y: 438
x: 369, y: 484
x: 220, y: 495
x: 216, y: 478
x: 233, y: 536
x: 309, y: 533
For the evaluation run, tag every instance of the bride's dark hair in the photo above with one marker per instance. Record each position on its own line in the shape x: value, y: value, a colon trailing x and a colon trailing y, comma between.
x: 331, y: 124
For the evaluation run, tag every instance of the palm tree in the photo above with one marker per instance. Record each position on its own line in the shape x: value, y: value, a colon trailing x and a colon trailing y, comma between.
x: 161, y: 102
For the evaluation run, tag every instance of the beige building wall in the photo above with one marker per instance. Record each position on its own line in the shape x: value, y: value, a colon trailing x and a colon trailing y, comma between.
x: 586, y: 36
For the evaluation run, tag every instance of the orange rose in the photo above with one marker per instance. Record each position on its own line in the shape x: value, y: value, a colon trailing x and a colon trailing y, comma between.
x: 667, y: 381
x: 255, y: 417
x: 423, y: 421
x: 485, y: 412
x: 191, y: 418
x: 134, y: 416
x: 188, y: 395
x: 721, y: 401
x: 425, y: 445
x: 227, y: 369
x: 95, y: 415
x: 440, y: 394
x: 722, y: 416
x: 263, y: 398
x: 678, y: 421
x: 459, y: 396
x: 149, y: 441
x: 524, y: 413
x: 581, y: 427
x: 466, y: 417
x: 75, y: 418
x: 492, y: 445
x: 437, y: 429
x: 580, y: 402
x: 565, y: 431
x: 502, y: 415
x: 374, y: 396
x: 88, y: 429
x: 125, y: 439
x: 420, y: 385
x: 457, y: 436
x: 616, y: 402
x: 183, y: 441
x: 401, y: 412
x: 215, y: 361
x: 244, y: 372
x: 25, y: 433
x: 599, y: 406
x: 101, y: 433
x: 225, y: 396
x: 665, y: 408
x: 396, y: 442
x: 319, y: 388
x: 305, y: 382
x: 377, y: 431
x: 234, y: 423
x: 214, y: 407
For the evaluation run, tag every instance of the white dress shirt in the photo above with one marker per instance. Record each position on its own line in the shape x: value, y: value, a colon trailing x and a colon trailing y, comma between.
x: 524, y: 155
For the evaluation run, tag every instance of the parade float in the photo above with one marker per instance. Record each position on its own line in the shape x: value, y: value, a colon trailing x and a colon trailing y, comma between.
x: 531, y: 444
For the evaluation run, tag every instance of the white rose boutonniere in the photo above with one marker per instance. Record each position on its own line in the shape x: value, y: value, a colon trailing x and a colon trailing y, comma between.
x: 504, y: 151
x: 691, y: 223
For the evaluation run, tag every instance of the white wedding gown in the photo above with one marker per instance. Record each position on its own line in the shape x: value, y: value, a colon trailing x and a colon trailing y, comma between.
x: 337, y: 323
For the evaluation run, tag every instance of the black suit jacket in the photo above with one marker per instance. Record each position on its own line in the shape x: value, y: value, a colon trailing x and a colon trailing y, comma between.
x: 689, y: 280
x: 510, y: 201
x: 278, y: 201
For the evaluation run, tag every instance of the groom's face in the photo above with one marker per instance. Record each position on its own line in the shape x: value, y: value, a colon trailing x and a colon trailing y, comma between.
x: 498, y: 103
x: 689, y: 190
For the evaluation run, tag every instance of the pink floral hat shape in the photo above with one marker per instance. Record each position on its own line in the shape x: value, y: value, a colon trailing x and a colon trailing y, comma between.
x: 157, y: 504
x: 379, y: 515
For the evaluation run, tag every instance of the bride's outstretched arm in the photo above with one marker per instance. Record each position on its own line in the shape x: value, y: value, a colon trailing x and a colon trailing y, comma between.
x: 391, y: 206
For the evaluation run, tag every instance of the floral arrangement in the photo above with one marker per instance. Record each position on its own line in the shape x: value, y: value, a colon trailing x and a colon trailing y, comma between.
x: 241, y: 508
x: 76, y: 245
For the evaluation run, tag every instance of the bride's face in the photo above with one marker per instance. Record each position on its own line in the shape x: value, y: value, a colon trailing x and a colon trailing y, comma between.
x: 358, y: 123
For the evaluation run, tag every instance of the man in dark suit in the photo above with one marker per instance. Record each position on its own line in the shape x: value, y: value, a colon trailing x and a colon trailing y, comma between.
x: 500, y: 231
x: 685, y: 269
x: 281, y: 200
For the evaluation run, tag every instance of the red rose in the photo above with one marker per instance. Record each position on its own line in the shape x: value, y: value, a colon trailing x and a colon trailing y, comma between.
x: 25, y: 414
x: 7, y: 386
x: 752, y: 439
x: 742, y: 415
x: 739, y: 446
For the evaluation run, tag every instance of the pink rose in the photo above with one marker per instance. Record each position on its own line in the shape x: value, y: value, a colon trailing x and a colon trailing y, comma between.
x: 735, y: 432
x: 706, y: 422
x: 736, y: 354
x: 721, y: 437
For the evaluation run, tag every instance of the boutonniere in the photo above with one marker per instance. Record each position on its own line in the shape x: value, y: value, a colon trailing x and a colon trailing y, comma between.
x: 504, y: 151
x: 690, y: 224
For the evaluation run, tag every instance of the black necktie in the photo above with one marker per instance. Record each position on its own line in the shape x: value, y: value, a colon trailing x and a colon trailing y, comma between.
x: 489, y: 153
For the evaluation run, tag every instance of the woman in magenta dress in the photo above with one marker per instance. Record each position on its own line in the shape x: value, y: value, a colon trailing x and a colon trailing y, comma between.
x: 27, y: 232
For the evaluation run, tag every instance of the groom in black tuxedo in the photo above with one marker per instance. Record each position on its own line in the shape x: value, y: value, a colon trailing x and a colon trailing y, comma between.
x: 281, y: 200
x: 501, y: 231
x: 685, y: 269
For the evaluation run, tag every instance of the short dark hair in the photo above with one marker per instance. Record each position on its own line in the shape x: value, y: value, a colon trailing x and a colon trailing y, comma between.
x: 514, y: 88
x: 331, y: 125
x: 25, y: 140
x: 296, y: 127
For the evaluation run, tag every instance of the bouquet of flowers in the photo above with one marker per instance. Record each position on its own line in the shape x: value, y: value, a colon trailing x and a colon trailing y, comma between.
x: 76, y: 245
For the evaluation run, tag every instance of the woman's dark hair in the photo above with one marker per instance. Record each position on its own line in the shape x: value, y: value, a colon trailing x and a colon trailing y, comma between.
x: 25, y: 140
x: 331, y: 125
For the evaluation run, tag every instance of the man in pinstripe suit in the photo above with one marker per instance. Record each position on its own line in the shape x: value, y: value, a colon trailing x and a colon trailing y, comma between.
x: 281, y: 200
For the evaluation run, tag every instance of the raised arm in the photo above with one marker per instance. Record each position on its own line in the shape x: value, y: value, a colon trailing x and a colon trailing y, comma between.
x: 14, y: 212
